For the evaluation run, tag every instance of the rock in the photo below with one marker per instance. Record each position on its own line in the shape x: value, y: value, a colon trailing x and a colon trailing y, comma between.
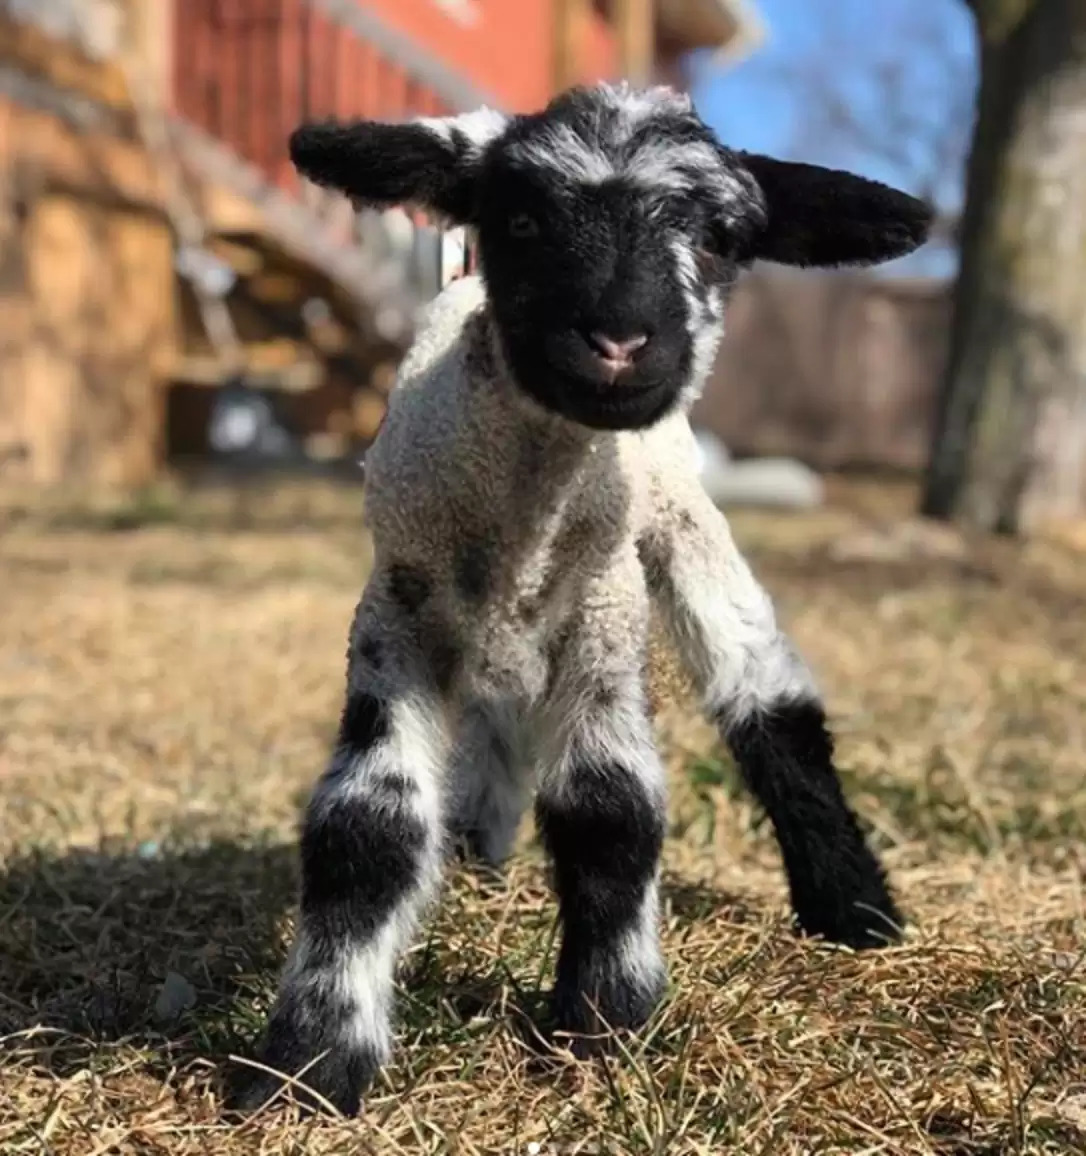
x: 764, y: 482
x: 175, y: 997
x: 757, y: 481
x: 712, y: 452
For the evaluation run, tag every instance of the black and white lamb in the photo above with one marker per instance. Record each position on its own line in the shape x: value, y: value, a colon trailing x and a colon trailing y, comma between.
x: 532, y: 494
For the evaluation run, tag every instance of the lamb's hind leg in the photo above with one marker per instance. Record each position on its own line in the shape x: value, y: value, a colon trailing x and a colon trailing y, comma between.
x: 760, y: 694
x: 370, y: 851
x: 488, y: 783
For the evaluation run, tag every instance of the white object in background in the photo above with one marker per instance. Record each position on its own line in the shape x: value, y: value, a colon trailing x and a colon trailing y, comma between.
x: 316, y: 311
x: 453, y: 251
x: 211, y: 273
x: 465, y: 12
x: 236, y: 427
x: 712, y: 453
x: 781, y: 482
x: 767, y: 482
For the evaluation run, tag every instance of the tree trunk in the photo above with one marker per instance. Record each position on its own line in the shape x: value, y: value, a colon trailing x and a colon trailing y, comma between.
x: 1010, y: 437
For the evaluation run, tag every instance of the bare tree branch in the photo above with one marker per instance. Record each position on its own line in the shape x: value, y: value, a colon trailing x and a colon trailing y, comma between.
x: 900, y: 102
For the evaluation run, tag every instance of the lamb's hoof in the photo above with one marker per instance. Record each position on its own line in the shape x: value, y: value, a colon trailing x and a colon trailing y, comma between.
x: 589, y: 1027
x: 583, y: 1045
x: 872, y: 921
x: 333, y: 1084
x: 261, y: 1090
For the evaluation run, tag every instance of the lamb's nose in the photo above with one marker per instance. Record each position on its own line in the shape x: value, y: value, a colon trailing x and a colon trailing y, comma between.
x: 617, y: 353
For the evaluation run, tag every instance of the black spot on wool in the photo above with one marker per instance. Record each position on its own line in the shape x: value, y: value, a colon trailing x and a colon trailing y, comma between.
x: 472, y: 569
x: 655, y: 556
x: 369, y: 650
x: 409, y: 586
x: 444, y: 657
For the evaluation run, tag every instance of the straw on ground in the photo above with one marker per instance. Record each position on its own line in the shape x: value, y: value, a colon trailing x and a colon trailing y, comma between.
x: 169, y: 676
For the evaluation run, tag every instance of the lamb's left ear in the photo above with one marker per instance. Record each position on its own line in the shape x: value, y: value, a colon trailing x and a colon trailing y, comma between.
x: 428, y: 163
x: 819, y: 216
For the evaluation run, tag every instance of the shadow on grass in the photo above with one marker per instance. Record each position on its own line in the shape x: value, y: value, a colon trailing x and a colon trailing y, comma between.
x: 691, y: 901
x: 175, y: 955
x: 223, y: 501
x: 170, y: 951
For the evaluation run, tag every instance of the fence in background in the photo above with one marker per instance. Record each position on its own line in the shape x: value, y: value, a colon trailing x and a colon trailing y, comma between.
x: 840, y: 370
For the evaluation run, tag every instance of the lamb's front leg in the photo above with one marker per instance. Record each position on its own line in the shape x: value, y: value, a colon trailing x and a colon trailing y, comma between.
x: 370, y: 850
x: 601, y: 813
x: 761, y: 695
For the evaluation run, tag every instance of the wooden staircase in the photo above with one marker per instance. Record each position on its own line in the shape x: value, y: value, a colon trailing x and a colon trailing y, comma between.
x: 324, y: 297
x: 244, y: 74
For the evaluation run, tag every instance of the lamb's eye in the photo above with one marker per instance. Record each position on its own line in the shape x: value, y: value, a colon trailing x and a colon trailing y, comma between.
x: 692, y: 218
x: 522, y: 226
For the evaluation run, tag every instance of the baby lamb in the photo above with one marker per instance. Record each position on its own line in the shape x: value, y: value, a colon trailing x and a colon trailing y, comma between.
x: 533, y: 495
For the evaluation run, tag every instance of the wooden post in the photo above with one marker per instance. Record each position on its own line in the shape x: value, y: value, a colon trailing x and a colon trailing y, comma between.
x: 636, y: 30
x: 569, y: 16
x: 149, y: 46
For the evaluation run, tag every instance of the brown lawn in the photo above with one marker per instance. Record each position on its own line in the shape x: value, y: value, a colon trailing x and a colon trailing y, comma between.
x: 170, y: 673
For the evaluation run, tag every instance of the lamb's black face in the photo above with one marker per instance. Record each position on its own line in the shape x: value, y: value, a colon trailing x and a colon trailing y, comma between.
x: 602, y: 280
x: 610, y: 225
x: 586, y: 296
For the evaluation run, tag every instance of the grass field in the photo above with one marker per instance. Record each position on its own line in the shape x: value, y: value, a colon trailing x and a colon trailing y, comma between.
x: 170, y: 674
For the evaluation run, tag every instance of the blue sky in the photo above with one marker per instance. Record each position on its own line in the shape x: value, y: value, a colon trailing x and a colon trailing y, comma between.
x: 926, y: 48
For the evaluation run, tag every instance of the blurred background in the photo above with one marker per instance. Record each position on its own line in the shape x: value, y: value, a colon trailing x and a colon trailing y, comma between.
x: 196, y: 349
x: 175, y: 298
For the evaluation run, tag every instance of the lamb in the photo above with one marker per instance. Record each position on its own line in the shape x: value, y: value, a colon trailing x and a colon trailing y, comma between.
x: 533, y: 496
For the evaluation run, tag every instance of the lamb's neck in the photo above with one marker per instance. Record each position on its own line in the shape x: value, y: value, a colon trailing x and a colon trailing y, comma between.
x: 552, y: 452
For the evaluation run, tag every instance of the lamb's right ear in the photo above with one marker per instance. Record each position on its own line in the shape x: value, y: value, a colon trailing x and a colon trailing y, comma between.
x: 430, y: 163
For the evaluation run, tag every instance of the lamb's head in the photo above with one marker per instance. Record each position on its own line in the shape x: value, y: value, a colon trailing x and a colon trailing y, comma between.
x: 610, y: 226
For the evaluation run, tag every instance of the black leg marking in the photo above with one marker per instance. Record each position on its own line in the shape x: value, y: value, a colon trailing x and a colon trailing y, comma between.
x: 472, y: 569
x: 838, y: 887
x: 364, y: 850
x: 604, y: 834
x: 359, y: 859
x: 364, y: 722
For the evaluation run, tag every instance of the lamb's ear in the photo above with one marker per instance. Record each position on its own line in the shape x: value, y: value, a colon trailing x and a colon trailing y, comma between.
x: 429, y: 163
x: 820, y: 216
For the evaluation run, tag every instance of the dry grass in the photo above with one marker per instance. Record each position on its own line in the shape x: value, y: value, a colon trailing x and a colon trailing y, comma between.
x: 169, y: 677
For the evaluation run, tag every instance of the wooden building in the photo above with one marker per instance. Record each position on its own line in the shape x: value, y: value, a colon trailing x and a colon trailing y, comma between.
x: 143, y: 149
